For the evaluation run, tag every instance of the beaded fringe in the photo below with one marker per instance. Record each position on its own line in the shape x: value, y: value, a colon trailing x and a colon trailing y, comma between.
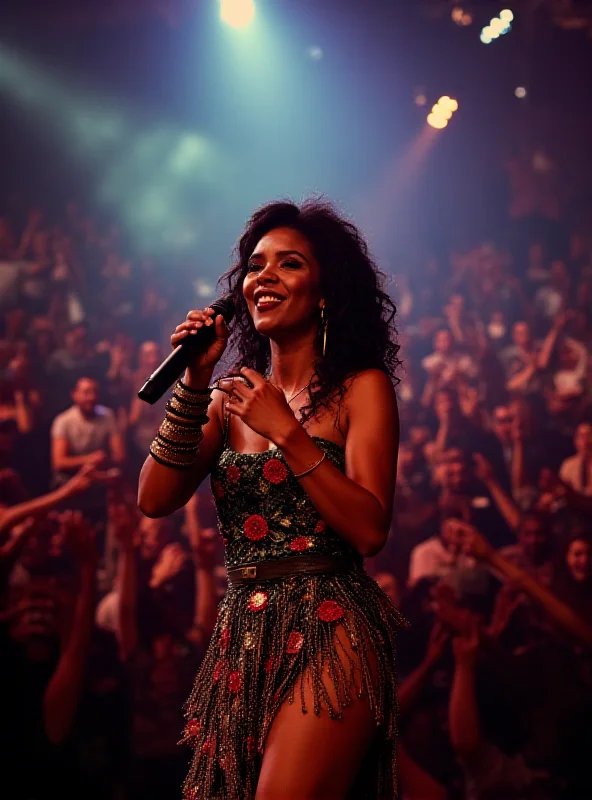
x: 268, y: 639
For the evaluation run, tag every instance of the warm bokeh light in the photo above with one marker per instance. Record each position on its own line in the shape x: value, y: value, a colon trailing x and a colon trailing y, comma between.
x: 520, y: 92
x: 441, y: 112
x: 437, y: 121
x: 497, y: 27
x: 237, y: 13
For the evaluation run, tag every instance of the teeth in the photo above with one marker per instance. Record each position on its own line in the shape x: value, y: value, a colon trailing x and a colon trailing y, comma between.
x: 268, y: 298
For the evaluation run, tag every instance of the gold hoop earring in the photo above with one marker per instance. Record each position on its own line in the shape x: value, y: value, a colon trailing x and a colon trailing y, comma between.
x: 325, y: 324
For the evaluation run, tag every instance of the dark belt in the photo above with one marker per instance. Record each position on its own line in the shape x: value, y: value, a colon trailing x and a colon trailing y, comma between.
x: 285, y: 567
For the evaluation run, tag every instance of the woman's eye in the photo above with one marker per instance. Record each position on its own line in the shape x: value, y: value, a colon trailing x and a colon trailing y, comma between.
x: 291, y: 264
x: 252, y: 267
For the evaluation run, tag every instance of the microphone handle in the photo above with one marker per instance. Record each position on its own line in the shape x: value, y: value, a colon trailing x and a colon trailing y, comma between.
x: 174, y: 365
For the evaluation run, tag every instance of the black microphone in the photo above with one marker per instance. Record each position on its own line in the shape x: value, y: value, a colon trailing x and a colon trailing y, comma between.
x: 175, y: 363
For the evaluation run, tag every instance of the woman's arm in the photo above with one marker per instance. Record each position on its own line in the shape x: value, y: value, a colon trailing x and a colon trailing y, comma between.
x: 23, y: 413
x: 41, y: 505
x: 561, y: 613
x: 203, y: 555
x: 358, y: 505
x: 127, y: 630
x: 506, y: 506
x: 60, y: 702
x: 163, y: 490
x: 519, y: 381
x: 463, y: 716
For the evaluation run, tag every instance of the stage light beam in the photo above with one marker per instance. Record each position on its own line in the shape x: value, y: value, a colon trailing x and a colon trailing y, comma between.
x: 237, y: 13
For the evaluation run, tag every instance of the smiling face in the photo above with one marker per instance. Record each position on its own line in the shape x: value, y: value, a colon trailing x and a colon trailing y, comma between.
x: 282, y: 287
x: 578, y: 559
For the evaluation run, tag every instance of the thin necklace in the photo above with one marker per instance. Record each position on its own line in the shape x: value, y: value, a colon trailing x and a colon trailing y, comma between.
x: 296, y: 394
x: 271, y: 445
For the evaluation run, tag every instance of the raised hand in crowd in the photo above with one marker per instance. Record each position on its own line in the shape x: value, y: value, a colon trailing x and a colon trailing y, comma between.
x: 507, y: 600
x: 566, y: 619
x: 62, y: 695
x: 169, y: 563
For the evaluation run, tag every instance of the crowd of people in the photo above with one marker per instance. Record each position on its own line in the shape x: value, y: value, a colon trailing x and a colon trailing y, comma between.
x: 105, y: 614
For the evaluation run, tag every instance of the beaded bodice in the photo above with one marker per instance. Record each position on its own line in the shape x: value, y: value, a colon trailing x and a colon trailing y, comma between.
x: 263, y: 512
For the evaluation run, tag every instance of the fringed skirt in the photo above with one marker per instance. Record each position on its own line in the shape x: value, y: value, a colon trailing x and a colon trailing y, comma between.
x: 268, y: 636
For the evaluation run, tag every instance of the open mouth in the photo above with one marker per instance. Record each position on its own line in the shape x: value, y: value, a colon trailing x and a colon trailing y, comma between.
x: 265, y: 301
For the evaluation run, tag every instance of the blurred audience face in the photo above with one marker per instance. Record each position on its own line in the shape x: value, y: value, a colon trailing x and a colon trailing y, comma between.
x: 521, y: 335
x: 149, y: 357
x: 533, y: 538
x: 86, y: 395
x: 559, y: 274
x: 522, y: 418
x: 502, y: 423
x: 451, y: 535
x: 443, y: 342
x: 578, y: 559
x: 35, y: 625
x: 77, y: 341
x: 455, y: 476
x: 390, y: 586
x: 444, y: 404
x: 583, y: 439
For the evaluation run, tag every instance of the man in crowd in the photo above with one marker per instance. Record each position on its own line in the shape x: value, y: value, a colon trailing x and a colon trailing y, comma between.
x: 87, y: 433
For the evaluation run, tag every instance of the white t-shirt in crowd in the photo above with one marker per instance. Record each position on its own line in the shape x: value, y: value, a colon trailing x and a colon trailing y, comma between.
x: 85, y: 434
x: 578, y: 475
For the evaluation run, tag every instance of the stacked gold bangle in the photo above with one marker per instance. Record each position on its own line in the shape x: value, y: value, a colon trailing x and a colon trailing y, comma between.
x: 177, y: 442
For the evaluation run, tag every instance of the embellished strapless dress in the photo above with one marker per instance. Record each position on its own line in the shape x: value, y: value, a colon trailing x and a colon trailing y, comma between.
x: 270, y: 633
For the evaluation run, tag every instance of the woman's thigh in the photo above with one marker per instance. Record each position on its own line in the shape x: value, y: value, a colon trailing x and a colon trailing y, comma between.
x: 310, y: 757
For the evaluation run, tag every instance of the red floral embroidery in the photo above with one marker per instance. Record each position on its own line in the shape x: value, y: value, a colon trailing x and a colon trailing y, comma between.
x: 218, y: 490
x: 321, y: 526
x: 218, y: 670
x: 270, y: 664
x: 300, y: 543
x: 208, y: 747
x: 224, y: 638
x: 274, y: 471
x: 233, y: 473
x: 295, y: 642
x: 256, y: 527
x: 251, y: 746
x: 234, y: 681
x: 190, y: 794
x: 258, y: 601
x: 192, y: 729
x: 329, y: 611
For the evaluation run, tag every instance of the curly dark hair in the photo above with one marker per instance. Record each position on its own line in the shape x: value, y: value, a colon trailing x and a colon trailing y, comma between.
x: 361, y: 331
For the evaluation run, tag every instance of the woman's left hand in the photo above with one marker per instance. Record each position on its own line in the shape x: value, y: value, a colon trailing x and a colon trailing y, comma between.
x: 260, y: 405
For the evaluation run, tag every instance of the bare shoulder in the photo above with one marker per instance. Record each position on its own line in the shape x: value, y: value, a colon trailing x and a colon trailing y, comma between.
x: 369, y: 387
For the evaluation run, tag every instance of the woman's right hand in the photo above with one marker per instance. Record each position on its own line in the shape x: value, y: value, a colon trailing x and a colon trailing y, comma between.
x: 205, y: 361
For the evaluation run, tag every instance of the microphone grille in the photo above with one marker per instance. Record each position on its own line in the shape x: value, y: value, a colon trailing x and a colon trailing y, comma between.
x: 225, y: 306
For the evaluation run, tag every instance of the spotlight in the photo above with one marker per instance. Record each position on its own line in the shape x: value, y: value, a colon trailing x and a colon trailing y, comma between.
x: 520, y: 92
x: 457, y: 15
x: 237, y: 13
x: 497, y: 26
x: 437, y: 122
x: 314, y: 52
x: 442, y: 112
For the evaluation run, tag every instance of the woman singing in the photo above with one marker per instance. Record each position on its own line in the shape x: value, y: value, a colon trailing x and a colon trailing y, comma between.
x: 296, y: 695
